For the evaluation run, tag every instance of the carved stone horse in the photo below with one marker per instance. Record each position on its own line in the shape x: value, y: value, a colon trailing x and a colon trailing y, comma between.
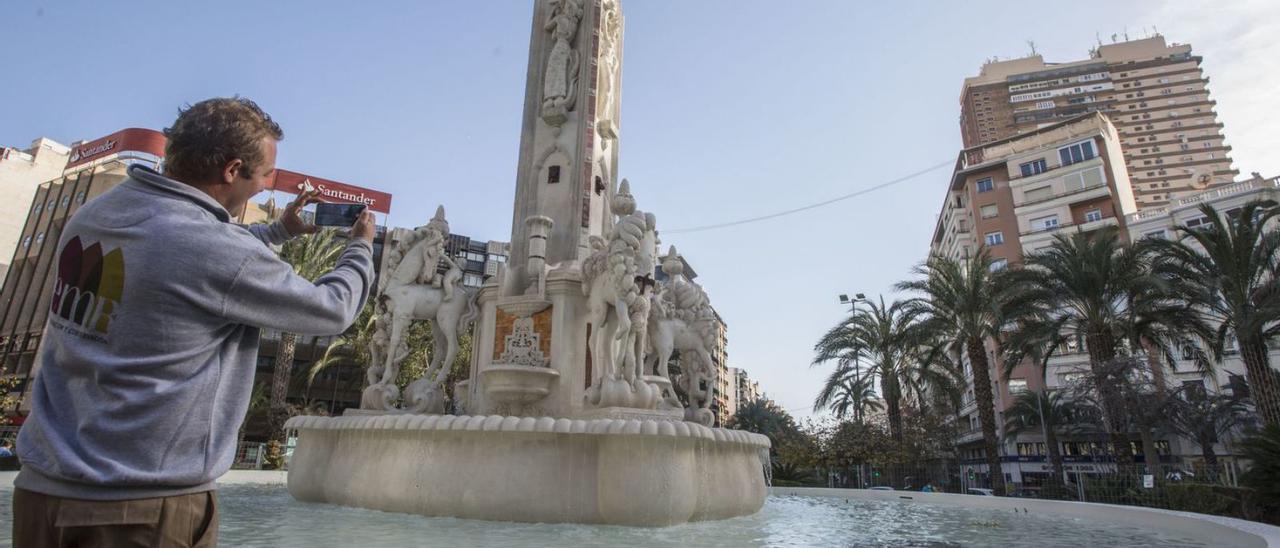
x: 403, y: 301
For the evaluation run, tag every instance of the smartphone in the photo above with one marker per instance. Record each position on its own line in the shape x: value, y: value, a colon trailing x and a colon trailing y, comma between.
x: 341, y: 215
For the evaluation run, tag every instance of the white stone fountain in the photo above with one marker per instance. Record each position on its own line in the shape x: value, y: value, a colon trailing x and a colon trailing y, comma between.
x: 569, y: 412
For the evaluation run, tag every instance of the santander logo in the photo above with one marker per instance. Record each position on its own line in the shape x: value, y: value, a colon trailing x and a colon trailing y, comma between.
x: 361, y: 198
x: 91, y: 151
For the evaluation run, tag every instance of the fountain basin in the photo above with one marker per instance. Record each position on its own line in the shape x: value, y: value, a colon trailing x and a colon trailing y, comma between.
x: 518, y: 384
x: 603, y: 471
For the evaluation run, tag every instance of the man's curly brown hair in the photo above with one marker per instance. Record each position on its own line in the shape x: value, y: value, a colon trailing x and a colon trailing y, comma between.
x: 211, y: 133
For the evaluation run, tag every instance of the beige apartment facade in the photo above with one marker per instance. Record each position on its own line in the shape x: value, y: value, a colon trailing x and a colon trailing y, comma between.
x: 1155, y: 93
x: 1010, y: 197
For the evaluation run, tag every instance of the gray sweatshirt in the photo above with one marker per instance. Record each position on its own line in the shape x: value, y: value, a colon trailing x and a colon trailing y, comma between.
x: 152, y: 341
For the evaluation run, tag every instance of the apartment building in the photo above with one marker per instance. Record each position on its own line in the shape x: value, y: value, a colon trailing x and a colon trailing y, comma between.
x: 745, y: 389
x: 1011, y: 196
x: 1155, y: 93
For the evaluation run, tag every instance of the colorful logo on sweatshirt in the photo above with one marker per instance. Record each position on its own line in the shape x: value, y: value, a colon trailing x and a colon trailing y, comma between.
x: 89, y: 285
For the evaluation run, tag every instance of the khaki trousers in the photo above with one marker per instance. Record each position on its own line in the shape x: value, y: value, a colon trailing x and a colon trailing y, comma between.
x: 46, y: 521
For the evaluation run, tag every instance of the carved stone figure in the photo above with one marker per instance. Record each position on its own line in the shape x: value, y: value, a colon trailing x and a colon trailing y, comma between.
x: 610, y: 60
x: 413, y: 290
x: 616, y: 282
x: 560, y: 82
x: 682, y: 320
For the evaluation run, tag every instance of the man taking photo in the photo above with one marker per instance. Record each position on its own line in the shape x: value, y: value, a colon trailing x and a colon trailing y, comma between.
x: 152, y: 341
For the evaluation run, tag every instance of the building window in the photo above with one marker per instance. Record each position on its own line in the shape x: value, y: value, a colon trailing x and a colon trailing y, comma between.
x: 1044, y: 223
x: 472, y: 280
x: 1198, y: 223
x: 553, y: 174
x: 999, y: 264
x: 1093, y: 215
x: 38, y: 208
x: 986, y: 185
x: 39, y: 238
x: 66, y: 201
x: 1078, y: 152
x: 1033, y: 168
x: 1017, y: 386
x: 989, y: 211
x: 26, y: 242
x: 80, y: 197
x: 1037, y: 194
x: 994, y: 238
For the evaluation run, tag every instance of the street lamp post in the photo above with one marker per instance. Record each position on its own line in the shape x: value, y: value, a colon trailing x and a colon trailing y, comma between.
x: 857, y: 366
x: 857, y: 375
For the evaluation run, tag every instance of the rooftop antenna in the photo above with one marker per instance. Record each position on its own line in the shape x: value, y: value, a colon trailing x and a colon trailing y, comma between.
x: 1032, y: 44
x: 1098, y: 37
x: 1113, y: 38
x: 1126, y: 34
x: 1154, y: 30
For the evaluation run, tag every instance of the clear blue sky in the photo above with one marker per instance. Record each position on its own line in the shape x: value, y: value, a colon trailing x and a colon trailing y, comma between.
x: 731, y: 109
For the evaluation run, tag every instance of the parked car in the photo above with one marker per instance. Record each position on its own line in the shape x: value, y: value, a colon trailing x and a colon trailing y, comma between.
x: 981, y: 491
x: 882, y: 488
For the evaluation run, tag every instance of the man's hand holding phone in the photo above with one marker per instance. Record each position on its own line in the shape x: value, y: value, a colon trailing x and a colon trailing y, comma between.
x: 356, y: 216
x: 364, y: 227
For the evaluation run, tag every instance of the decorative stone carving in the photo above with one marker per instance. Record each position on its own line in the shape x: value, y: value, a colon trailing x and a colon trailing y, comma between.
x: 521, y: 346
x: 560, y: 81
x: 682, y: 320
x: 414, y: 290
x: 610, y: 61
x: 616, y: 278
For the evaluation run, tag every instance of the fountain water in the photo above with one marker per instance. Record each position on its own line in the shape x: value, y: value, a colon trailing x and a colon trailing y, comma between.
x: 569, y: 412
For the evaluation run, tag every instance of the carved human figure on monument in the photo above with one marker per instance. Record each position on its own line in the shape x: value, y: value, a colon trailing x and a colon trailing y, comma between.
x: 559, y: 84
x: 610, y: 60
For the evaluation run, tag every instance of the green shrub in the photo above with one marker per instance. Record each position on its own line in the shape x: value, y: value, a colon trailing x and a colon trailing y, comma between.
x: 1262, y: 449
x: 1219, y: 500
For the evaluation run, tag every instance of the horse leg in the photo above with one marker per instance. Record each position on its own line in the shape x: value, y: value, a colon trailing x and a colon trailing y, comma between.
x: 446, y: 335
x: 392, y: 369
x: 664, y: 347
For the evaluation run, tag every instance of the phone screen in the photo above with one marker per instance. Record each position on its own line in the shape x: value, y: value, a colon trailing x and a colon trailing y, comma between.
x: 342, y: 215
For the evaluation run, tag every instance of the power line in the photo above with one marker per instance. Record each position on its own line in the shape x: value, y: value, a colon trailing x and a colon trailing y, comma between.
x: 812, y: 206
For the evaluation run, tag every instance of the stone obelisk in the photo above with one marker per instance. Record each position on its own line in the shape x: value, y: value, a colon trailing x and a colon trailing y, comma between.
x: 569, y: 140
x: 531, y: 356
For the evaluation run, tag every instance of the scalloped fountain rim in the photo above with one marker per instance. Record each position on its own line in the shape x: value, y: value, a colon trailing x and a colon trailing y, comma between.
x: 532, y: 425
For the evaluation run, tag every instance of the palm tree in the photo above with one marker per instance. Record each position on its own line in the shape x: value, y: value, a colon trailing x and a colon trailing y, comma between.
x: 311, y: 255
x: 1236, y: 263
x: 890, y: 336
x: 1205, y: 418
x: 1043, y: 412
x: 965, y: 303
x: 1093, y: 287
x: 852, y: 396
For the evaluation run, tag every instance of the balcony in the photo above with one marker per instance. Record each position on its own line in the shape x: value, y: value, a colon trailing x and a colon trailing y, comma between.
x: 1208, y: 196
x: 1034, y: 239
x: 1096, y: 190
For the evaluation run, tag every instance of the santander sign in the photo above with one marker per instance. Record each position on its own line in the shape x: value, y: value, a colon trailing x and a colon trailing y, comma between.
x: 333, y: 191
